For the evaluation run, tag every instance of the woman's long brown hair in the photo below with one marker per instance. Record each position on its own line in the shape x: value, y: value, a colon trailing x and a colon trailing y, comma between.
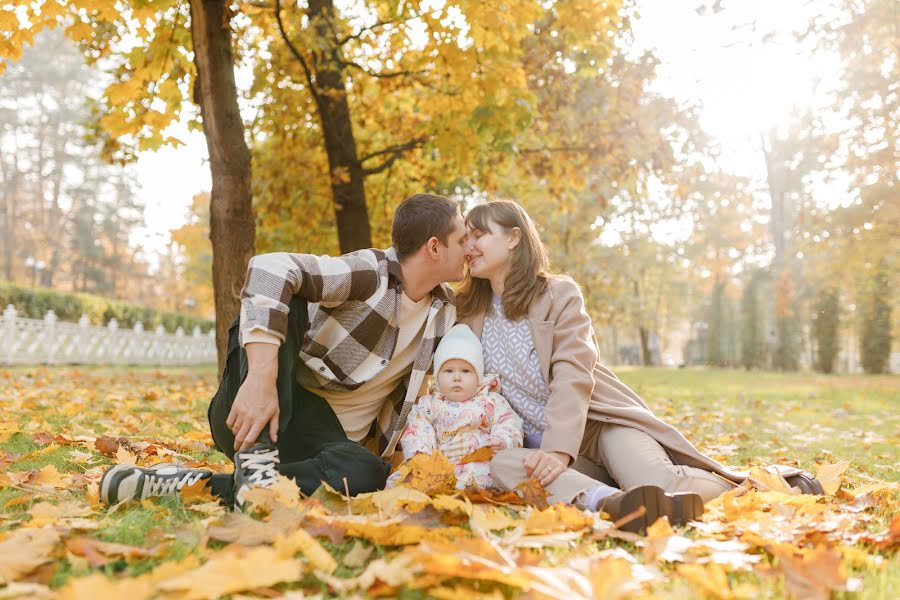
x: 529, y: 271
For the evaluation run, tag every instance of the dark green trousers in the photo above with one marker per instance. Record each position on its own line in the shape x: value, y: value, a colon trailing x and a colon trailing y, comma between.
x: 311, y: 443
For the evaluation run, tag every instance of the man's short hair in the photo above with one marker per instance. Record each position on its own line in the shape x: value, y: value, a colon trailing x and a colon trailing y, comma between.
x: 420, y: 218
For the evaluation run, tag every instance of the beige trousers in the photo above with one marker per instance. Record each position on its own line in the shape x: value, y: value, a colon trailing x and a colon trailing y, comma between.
x: 621, y: 456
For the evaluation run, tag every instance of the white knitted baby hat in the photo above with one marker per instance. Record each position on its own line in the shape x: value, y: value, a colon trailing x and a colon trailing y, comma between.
x: 460, y: 342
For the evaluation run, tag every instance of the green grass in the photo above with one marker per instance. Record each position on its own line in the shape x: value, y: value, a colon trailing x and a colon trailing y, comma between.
x: 739, y: 418
x: 772, y: 417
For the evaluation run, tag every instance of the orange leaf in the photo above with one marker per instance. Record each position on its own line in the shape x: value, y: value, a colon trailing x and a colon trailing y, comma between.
x: 484, y: 454
x: 429, y: 473
x: 533, y: 493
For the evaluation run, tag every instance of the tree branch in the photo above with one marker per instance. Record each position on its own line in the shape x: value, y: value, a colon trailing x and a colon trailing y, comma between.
x: 296, y: 53
x: 584, y: 149
x: 395, y: 153
x: 383, y: 74
x: 373, y: 27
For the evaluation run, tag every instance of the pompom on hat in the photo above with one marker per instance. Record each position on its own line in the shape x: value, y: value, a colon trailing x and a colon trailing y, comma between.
x: 462, y: 343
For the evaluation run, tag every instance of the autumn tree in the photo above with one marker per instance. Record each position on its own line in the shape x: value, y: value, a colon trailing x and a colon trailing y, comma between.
x: 751, y: 326
x: 195, y: 250
x: 63, y: 206
x: 165, y: 58
x: 875, y: 338
x: 825, y: 327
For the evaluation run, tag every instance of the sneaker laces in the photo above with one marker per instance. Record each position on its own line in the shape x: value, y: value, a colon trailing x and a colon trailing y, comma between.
x: 167, y: 484
x: 261, y: 467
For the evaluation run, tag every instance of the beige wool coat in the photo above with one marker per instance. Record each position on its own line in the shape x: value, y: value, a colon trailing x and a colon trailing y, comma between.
x: 582, y: 389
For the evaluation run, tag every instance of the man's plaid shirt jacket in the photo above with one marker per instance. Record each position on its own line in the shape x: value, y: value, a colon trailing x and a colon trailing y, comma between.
x: 354, y: 314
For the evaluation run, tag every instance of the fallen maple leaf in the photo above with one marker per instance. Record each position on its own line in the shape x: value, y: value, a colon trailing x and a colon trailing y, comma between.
x: 390, y: 501
x: 560, y: 517
x: 124, y: 457
x: 107, y: 445
x: 711, y: 579
x: 201, y: 491
x: 245, y: 530
x: 829, y: 475
x: 234, y: 572
x: 887, y: 540
x: 97, y: 585
x: 811, y: 574
x: 483, y: 454
x: 358, y: 556
x: 611, y: 578
x: 45, y: 513
x: 533, y: 493
x: 32, y: 591
x: 300, y: 540
x: 51, y: 477
x: 284, y: 492
x: 24, y: 551
x: 98, y: 552
x: 490, y: 518
x: 767, y: 481
x: 429, y: 473
x: 477, y: 494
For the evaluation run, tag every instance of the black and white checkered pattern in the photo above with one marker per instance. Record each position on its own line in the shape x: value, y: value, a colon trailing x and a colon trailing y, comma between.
x: 354, y: 312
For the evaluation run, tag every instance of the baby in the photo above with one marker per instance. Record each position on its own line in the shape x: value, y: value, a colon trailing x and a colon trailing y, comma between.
x: 464, y: 414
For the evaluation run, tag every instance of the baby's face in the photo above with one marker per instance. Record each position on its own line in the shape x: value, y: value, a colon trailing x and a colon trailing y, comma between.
x: 457, y: 380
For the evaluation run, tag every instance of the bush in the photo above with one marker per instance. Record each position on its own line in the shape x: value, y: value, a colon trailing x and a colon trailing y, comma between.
x: 34, y: 304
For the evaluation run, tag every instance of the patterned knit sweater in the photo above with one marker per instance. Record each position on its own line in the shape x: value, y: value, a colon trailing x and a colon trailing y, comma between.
x: 509, y: 352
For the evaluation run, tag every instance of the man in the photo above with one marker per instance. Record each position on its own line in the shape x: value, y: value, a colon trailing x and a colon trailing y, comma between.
x: 329, y: 355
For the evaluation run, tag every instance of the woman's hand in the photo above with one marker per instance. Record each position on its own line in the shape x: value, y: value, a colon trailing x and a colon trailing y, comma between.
x: 545, y: 466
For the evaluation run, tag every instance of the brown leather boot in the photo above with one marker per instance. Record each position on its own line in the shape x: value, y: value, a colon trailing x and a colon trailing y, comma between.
x: 680, y: 508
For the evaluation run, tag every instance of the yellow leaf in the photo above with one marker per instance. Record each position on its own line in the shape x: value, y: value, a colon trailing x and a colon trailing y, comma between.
x: 712, y: 579
x: 767, y: 481
x: 611, y: 578
x: 49, y: 476
x: 830, y: 476
x: 429, y: 473
x: 79, y: 31
x: 97, y: 585
x: 8, y: 21
x: 301, y: 540
x: 124, y: 457
x: 45, y: 513
x: 24, y: 551
x: 561, y: 517
x: 483, y: 454
x: 52, y: 9
x: 490, y: 518
x: 392, y: 500
x: 234, y: 572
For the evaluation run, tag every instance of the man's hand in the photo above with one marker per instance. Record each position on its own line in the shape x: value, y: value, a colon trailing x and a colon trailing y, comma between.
x: 256, y: 403
x: 545, y: 466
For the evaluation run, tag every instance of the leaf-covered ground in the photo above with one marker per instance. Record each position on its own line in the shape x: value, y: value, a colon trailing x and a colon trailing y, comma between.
x: 60, y: 427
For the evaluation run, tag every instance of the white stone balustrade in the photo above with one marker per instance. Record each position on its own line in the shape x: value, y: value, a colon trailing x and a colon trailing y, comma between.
x: 49, y: 341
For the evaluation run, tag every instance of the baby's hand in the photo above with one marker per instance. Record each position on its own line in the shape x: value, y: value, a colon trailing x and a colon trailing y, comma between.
x: 496, y: 443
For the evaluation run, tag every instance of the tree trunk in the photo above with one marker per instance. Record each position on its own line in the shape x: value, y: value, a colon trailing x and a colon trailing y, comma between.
x: 347, y: 176
x: 232, y: 228
x: 9, y: 221
x: 646, y: 356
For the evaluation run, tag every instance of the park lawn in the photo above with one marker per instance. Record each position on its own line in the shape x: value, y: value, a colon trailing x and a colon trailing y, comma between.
x: 61, y: 427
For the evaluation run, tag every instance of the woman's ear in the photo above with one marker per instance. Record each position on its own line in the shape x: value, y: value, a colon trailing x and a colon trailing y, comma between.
x: 515, y: 235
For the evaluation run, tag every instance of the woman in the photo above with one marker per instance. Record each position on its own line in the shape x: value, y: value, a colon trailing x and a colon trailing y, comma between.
x: 579, y: 418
